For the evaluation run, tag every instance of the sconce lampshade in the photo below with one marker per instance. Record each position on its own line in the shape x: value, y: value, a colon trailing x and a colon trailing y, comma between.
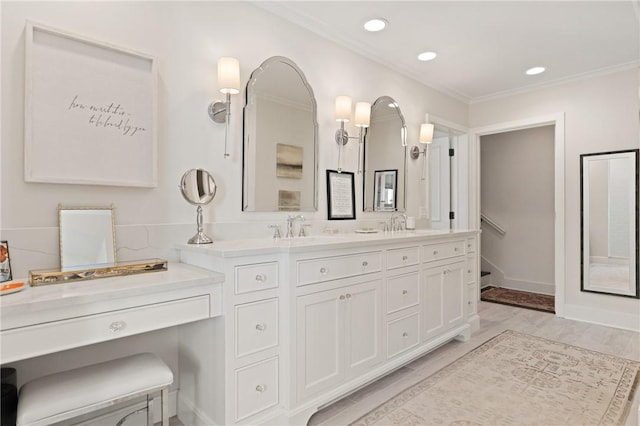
x: 426, y: 133
x: 363, y: 114
x: 229, y: 75
x: 343, y: 108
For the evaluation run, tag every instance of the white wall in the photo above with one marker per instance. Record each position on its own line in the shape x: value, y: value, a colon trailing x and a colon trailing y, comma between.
x: 187, y: 38
x: 517, y: 186
x: 601, y: 114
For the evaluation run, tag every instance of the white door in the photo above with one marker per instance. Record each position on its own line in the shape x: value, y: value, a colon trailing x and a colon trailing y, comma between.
x: 439, y: 182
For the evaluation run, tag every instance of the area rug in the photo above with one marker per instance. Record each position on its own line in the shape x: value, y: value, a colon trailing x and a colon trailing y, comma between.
x: 522, y: 299
x: 517, y: 379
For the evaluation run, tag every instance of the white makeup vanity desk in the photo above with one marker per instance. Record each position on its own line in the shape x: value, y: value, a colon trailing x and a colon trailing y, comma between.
x: 52, y: 318
x: 309, y: 320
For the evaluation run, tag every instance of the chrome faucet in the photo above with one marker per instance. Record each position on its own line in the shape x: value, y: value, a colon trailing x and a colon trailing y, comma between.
x: 290, y: 222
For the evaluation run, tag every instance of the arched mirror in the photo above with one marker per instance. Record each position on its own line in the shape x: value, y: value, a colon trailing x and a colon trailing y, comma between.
x: 609, y: 225
x: 385, y: 158
x: 280, y: 158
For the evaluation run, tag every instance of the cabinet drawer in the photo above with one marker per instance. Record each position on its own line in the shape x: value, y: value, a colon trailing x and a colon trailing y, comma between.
x: 255, y: 277
x: 256, y: 326
x: 60, y: 335
x: 470, y: 270
x: 440, y: 251
x: 471, y: 245
x: 256, y: 388
x: 403, y: 334
x: 403, y: 291
x: 397, y: 258
x: 331, y: 268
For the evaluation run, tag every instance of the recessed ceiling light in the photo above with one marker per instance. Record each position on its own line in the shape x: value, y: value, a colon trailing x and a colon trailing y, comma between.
x: 377, y: 24
x: 535, y: 70
x: 427, y: 56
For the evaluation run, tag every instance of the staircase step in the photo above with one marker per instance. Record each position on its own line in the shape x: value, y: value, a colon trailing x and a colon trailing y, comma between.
x: 484, y: 273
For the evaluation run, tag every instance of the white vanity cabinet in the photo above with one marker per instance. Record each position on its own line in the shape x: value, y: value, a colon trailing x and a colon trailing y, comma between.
x: 309, y: 320
x: 338, y: 333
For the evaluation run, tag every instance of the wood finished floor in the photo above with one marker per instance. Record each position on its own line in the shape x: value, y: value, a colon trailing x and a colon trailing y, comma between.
x: 494, y: 319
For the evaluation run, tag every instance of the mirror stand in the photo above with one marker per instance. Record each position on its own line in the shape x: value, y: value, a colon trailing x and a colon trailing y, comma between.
x: 200, y: 237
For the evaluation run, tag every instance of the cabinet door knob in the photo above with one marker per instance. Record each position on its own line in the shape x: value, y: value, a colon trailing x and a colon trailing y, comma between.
x: 261, y: 277
x: 261, y: 388
x: 261, y: 326
x: 348, y: 296
x: 323, y: 270
x: 469, y: 302
x: 117, y: 326
x: 342, y: 297
x: 455, y: 249
x: 468, y: 245
x: 435, y: 252
x: 365, y: 264
x: 404, y: 258
x: 405, y: 334
x: 468, y: 271
x: 405, y: 292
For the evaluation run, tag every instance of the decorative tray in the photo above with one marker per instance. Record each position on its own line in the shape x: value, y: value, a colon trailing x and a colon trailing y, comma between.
x: 366, y: 231
x: 57, y: 276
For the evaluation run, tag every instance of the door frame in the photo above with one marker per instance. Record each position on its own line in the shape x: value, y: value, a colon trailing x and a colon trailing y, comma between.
x: 557, y: 120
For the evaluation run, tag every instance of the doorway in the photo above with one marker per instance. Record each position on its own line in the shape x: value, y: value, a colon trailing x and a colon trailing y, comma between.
x: 557, y: 121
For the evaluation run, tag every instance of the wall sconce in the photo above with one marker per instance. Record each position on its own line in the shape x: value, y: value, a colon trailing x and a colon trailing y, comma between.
x: 343, y: 115
x: 426, y: 137
x: 229, y: 82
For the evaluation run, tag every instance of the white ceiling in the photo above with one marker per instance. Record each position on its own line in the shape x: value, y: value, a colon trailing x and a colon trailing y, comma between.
x: 483, y: 47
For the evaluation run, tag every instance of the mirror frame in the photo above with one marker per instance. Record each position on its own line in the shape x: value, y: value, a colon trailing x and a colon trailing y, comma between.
x: 252, y: 79
x: 403, y: 141
x: 62, y: 209
x: 634, y: 263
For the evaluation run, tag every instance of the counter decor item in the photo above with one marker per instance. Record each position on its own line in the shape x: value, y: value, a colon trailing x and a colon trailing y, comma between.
x: 58, y: 276
x: 198, y: 188
x: 5, y: 262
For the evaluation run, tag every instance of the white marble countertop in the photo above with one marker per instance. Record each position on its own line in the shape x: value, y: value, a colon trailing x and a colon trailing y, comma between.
x: 72, y: 294
x: 261, y: 246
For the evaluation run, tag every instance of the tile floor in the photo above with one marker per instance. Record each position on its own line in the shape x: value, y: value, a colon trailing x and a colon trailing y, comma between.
x: 494, y: 319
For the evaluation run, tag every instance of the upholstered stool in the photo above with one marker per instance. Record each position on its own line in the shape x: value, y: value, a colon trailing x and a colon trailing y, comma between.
x: 71, y: 393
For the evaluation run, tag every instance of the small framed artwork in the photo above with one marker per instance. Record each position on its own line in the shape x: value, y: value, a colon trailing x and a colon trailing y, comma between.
x: 340, y: 195
x: 5, y: 262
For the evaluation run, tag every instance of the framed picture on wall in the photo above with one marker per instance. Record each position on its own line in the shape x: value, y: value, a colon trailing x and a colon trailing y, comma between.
x: 340, y: 195
x: 90, y: 111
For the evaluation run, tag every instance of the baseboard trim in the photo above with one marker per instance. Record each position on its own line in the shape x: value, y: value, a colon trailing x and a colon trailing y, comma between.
x: 530, y: 286
x: 191, y: 415
x: 602, y: 317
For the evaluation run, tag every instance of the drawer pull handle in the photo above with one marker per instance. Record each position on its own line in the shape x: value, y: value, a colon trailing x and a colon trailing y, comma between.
x: 468, y: 245
x: 348, y: 296
x: 261, y: 327
x: 117, y: 326
x: 405, y: 292
x: 365, y: 264
x: 342, y: 297
x: 323, y: 270
x: 404, y: 258
x: 261, y: 388
x: 435, y: 252
x: 261, y: 277
x: 405, y: 334
x: 445, y: 272
x: 455, y: 249
x: 469, y: 302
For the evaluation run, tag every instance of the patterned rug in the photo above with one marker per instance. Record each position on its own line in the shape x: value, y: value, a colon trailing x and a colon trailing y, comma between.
x: 522, y: 299
x: 517, y: 379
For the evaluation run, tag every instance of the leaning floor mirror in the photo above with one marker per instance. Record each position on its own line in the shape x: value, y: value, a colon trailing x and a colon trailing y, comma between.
x: 609, y: 223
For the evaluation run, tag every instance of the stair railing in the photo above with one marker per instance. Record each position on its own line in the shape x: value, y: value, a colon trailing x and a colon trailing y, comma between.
x: 492, y: 223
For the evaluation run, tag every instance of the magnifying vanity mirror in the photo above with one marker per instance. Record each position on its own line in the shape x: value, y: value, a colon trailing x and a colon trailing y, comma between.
x: 385, y: 158
x: 198, y: 188
x: 87, y: 237
x: 609, y: 223
x: 280, y: 152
